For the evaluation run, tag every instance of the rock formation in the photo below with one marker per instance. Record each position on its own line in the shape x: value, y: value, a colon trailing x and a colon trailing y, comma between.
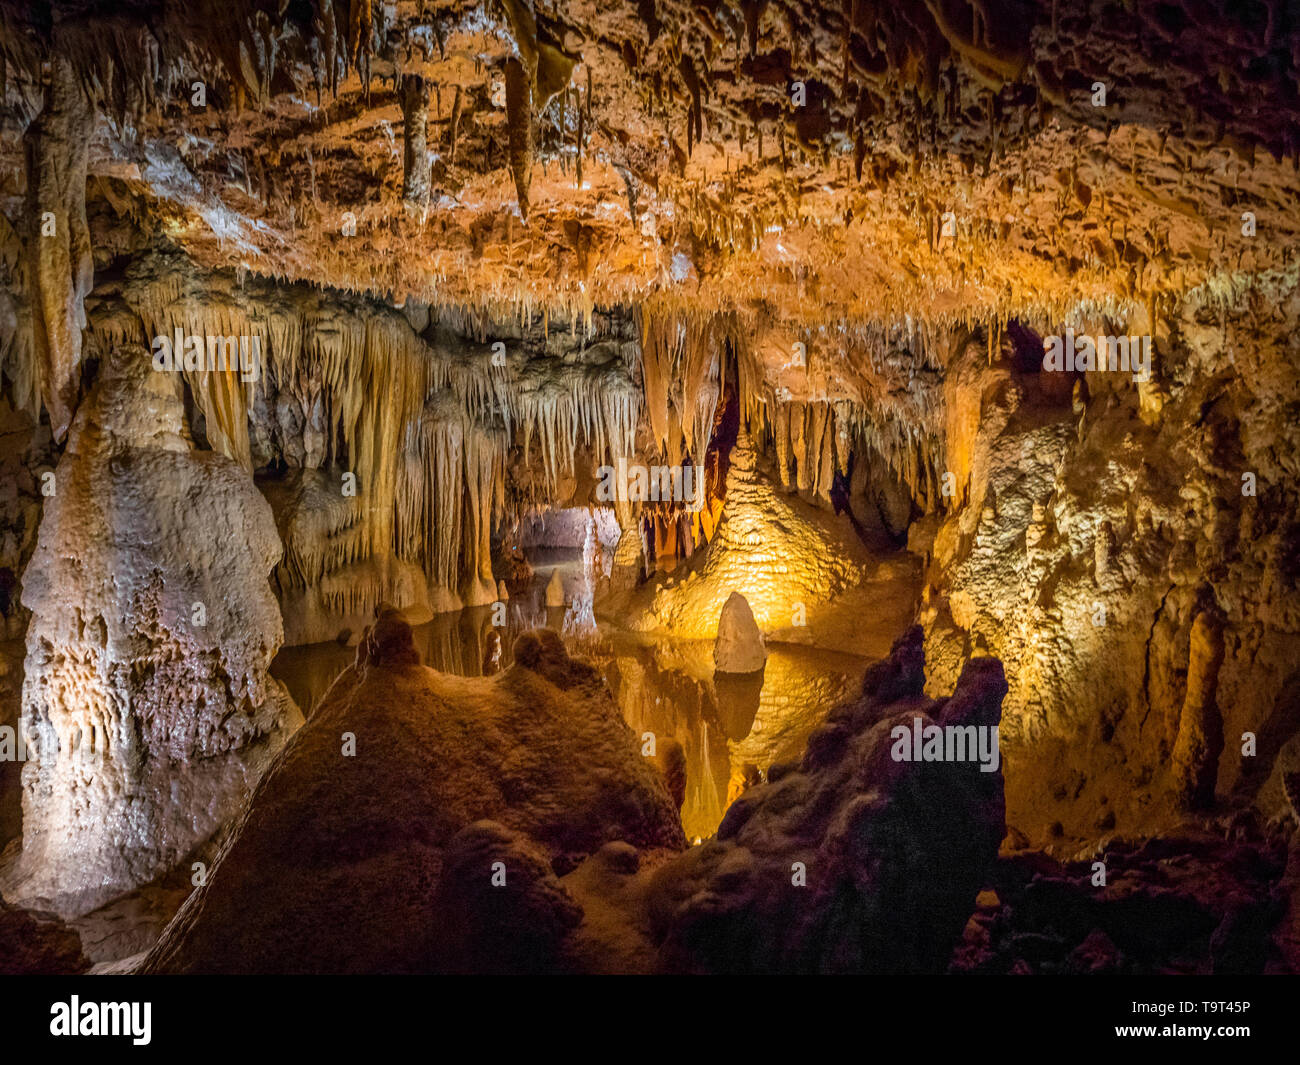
x: 486, y: 860
x: 147, y: 706
x: 739, y: 645
x: 37, y: 945
x: 771, y: 550
x: 850, y: 861
x: 403, y: 776
x: 1200, y: 725
x: 1139, y: 538
x: 806, y: 323
x: 555, y: 590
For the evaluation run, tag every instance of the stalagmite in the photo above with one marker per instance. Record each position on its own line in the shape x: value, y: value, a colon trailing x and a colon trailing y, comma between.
x: 146, y: 700
x: 1200, y: 726
x: 555, y: 590
x: 765, y: 550
x: 739, y: 645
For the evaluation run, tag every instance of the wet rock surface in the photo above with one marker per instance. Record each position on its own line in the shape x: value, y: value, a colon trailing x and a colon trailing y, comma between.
x: 891, y: 853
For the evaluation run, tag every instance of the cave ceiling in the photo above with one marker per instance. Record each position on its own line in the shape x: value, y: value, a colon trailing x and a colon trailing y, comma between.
x: 939, y: 162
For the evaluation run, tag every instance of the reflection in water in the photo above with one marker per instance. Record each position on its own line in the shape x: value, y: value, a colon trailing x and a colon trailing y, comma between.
x: 731, y: 729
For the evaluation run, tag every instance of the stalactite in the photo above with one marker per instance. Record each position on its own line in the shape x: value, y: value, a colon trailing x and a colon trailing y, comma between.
x: 799, y: 444
x: 681, y: 372
x: 519, y: 122
x: 60, y: 270
x: 415, y: 157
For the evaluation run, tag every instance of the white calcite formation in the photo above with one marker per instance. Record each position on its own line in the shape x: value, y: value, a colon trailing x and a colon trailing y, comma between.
x: 779, y: 553
x: 739, y: 646
x: 146, y: 704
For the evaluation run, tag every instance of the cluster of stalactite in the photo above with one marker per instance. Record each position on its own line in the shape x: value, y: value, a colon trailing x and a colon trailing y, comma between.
x: 132, y: 64
x: 430, y: 458
x: 684, y: 364
x: 453, y: 480
x: 48, y: 266
x: 424, y: 430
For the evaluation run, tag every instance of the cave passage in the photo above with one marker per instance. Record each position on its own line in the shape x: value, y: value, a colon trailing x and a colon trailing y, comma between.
x: 650, y: 488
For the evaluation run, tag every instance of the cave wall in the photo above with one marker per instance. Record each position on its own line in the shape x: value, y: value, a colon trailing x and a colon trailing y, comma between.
x: 1129, y: 551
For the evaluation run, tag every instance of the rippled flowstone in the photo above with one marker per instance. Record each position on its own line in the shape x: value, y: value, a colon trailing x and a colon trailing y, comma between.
x: 147, y: 708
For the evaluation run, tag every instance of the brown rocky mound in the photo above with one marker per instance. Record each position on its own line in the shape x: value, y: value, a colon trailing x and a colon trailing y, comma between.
x: 851, y: 861
x: 508, y: 824
x: 37, y: 944
x: 355, y: 862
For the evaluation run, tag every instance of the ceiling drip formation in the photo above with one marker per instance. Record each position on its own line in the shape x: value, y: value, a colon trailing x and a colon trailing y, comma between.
x: 950, y: 164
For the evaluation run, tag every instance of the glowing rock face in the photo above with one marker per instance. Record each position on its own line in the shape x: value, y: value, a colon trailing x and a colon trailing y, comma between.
x: 767, y: 550
x: 739, y: 646
x: 146, y: 703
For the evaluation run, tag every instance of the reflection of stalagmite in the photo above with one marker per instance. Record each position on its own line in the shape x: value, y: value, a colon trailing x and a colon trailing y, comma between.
x: 670, y: 758
x: 492, y: 653
x: 1200, y: 728
x: 738, y: 697
x: 555, y: 590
